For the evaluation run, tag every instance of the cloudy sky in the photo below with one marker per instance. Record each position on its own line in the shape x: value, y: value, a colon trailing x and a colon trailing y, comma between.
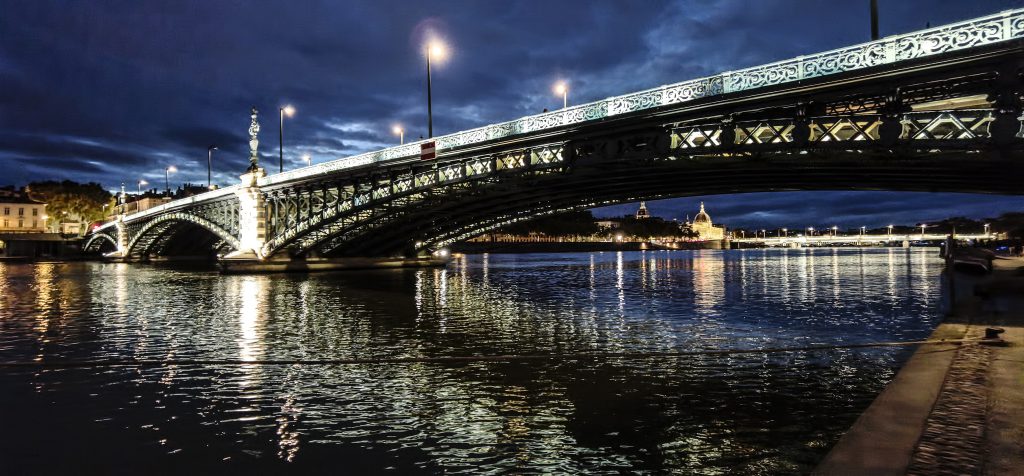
x: 115, y: 91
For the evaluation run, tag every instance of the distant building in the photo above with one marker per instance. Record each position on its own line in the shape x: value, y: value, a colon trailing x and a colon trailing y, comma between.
x: 21, y: 214
x: 705, y: 229
x: 642, y: 212
x: 143, y: 204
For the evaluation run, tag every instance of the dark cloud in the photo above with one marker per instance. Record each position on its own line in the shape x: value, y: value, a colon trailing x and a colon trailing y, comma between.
x: 116, y: 91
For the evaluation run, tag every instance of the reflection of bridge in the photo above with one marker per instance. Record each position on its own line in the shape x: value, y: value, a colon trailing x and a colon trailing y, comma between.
x: 933, y: 110
x: 826, y: 240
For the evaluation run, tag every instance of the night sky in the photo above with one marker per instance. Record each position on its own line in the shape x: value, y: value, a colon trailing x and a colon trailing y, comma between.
x: 114, y: 91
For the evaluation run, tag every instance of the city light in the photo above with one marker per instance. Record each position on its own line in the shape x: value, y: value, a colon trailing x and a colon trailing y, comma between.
x: 167, y: 178
x: 398, y: 131
x: 209, y: 166
x: 562, y: 89
x: 436, y: 51
x: 287, y: 110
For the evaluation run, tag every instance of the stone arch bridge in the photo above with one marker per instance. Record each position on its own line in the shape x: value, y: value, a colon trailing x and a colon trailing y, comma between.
x: 932, y: 110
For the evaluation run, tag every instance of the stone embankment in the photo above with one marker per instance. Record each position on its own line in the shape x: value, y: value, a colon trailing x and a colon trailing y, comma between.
x: 953, y: 408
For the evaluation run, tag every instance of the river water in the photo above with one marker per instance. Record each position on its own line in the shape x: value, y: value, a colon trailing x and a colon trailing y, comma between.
x: 707, y: 414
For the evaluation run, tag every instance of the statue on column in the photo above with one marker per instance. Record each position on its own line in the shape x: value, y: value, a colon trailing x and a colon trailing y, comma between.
x: 254, y: 143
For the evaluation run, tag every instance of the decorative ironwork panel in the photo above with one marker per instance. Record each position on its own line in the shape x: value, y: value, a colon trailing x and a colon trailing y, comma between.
x: 955, y: 125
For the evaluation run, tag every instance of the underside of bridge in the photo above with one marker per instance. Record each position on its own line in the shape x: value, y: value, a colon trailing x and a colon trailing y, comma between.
x: 462, y: 214
x: 946, y: 123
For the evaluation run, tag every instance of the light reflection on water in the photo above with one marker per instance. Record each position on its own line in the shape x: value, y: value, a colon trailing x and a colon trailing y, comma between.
x: 757, y: 414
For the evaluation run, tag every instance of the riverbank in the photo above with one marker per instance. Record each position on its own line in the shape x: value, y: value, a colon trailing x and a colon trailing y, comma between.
x: 478, y: 247
x: 952, y: 409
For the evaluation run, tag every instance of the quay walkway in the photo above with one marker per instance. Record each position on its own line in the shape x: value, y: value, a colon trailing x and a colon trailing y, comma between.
x: 953, y: 408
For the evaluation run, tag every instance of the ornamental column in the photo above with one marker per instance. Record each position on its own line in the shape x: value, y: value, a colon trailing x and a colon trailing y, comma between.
x: 122, y: 229
x: 252, y: 219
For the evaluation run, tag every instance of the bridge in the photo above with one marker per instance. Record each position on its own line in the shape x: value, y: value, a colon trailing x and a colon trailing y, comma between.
x: 932, y: 110
x: 865, y: 239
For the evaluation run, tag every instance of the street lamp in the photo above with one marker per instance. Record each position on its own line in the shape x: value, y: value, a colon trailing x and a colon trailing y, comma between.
x: 890, y: 231
x: 285, y: 111
x: 563, y: 89
x: 862, y: 229
x: 923, y: 226
x: 209, y: 166
x: 834, y: 229
x: 308, y: 159
x: 785, y: 231
x: 810, y: 231
x: 167, y: 177
x: 986, y: 229
x: 398, y: 131
x: 435, y: 49
x: 141, y: 183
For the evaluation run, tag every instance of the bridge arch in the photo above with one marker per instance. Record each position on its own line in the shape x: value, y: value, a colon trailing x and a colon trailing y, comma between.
x: 162, y: 228
x: 424, y: 206
x: 96, y: 241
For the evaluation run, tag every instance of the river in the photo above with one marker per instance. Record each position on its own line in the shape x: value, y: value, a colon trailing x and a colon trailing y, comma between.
x: 762, y: 413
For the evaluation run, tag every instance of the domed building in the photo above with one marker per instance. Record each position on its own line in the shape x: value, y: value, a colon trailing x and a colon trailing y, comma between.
x: 705, y: 229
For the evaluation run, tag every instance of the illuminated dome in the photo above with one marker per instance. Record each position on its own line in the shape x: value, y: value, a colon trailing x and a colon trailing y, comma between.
x: 702, y: 216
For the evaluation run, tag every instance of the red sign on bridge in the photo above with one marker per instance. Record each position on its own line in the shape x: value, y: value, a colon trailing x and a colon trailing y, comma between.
x: 427, y: 151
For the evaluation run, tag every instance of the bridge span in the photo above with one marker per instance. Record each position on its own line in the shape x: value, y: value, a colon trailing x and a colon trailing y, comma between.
x: 866, y: 239
x: 932, y: 110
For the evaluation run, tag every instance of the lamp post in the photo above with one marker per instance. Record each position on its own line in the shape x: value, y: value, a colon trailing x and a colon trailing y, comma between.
x: 209, y: 166
x: 862, y: 229
x: 834, y: 229
x: 890, y: 231
x: 785, y: 231
x: 923, y: 226
x: 398, y: 131
x: 563, y: 89
x: 810, y: 231
x: 167, y: 177
x: 308, y: 159
x: 986, y: 229
x: 141, y: 183
x: 285, y: 111
x: 434, y: 48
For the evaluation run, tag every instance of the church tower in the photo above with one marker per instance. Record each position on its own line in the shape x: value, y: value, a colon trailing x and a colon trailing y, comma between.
x: 642, y: 212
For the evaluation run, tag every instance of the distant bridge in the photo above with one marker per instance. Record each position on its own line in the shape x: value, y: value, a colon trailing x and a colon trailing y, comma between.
x: 827, y: 240
x: 933, y: 110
